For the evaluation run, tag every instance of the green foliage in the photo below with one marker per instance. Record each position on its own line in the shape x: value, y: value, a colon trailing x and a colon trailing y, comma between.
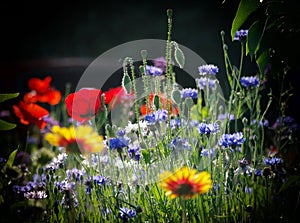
x: 3, y: 124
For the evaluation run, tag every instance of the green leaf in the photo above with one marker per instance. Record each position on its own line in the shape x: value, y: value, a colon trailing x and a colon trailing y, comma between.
x: 146, y: 155
x: 156, y: 101
x: 179, y: 56
x: 126, y: 83
x: 263, y: 61
x: 4, y: 97
x: 255, y: 34
x: 11, y: 158
x: 245, y: 8
x: 176, y: 96
x: 189, y: 102
x: 6, y: 125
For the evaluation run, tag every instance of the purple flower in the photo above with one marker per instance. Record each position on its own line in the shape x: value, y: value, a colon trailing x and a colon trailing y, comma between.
x: 204, y: 128
x: 203, y: 82
x: 57, y: 162
x: 35, y: 195
x: 126, y: 213
x: 287, y: 122
x: 230, y: 140
x: 134, y: 152
x: 251, y: 81
x: 261, y: 123
x: 208, y: 69
x: 189, y: 92
x: 75, y: 174
x: 157, y: 116
x: 241, y: 35
x: 160, y: 62
x: 153, y: 71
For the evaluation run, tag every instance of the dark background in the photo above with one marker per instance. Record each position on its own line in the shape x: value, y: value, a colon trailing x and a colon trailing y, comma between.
x: 41, y: 38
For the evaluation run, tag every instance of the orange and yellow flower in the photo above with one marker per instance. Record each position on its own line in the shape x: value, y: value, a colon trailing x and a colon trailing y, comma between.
x: 76, y: 139
x: 185, y: 183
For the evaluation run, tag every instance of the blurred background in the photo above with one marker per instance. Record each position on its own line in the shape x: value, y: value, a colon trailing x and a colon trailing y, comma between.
x: 61, y: 40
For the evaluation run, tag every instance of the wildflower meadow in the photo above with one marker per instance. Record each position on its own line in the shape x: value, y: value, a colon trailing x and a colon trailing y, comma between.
x: 151, y: 150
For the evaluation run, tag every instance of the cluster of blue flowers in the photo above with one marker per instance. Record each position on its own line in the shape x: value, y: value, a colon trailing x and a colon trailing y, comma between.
x: 157, y: 116
x: 120, y: 141
x: 208, y: 69
x: 232, y: 140
x: 241, y: 35
x: 272, y: 161
x: 125, y: 213
x: 251, y: 81
x: 189, y: 93
x: 205, y: 128
x: 153, y: 71
x: 204, y: 81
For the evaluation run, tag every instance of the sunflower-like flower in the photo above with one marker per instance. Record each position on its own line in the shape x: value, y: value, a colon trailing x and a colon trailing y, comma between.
x: 185, y: 183
x: 76, y: 139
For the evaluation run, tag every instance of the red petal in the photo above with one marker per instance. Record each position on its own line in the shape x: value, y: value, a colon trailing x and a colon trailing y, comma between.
x: 40, y: 86
x: 52, y: 97
x: 84, y: 104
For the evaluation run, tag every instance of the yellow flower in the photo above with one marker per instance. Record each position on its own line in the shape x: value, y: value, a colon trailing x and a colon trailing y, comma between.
x: 185, y: 183
x: 76, y: 139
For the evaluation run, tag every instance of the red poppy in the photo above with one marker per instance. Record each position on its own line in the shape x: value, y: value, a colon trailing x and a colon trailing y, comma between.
x: 145, y: 111
x: 31, y: 113
x: 41, y: 91
x: 115, y: 95
x: 84, y: 104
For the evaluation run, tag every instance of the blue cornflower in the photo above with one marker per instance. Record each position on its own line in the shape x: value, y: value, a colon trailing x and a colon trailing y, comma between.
x: 203, y: 82
x: 189, y: 93
x: 175, y: 123
x: 134, y: 152
x: 153, y: 71
x: 126, y: 213
x: 208, y: 69
x: 251, y: 81
x: 208, y: 152
x: 241, y: 35
x: 272, y: 161
x: 157, y: 116
x: 235, y: 139
x: 99, y: 180
x: 118, y: 143
x: 204, y: 128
